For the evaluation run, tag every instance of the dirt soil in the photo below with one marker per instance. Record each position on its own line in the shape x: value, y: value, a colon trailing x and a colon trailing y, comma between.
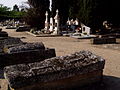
x: 68, y: 45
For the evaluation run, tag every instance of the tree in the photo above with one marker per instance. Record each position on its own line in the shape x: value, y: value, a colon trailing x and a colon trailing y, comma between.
x: 63, y: 7
x: 15, y: 8
x: 6, y: 13
x: 90, y: 12
x: 36, y: 14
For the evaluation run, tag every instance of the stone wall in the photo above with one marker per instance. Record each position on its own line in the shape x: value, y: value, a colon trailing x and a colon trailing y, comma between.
x: 104, y: 40
x: 63, y: 72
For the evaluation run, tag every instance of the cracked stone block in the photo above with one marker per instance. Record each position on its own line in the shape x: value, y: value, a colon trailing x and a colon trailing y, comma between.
x: 14, y: 51
x: 24, y: 47
x: 105, y: 40
x: 28, y: 56
x: 63, y: 72
x: 4, y: 42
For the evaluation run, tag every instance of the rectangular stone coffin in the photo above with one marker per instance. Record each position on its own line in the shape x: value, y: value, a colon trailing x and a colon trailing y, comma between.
x: 25, y: 53
x: 64, y: 72
x: 105, y: 40
x: 29, y: 56
x: 9, y: 41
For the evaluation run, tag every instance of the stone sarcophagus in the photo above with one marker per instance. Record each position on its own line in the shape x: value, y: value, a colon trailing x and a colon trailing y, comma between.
x: 25, y: 53
x: 57, y: 73
x: 104, y: 40
x: 9, y: 41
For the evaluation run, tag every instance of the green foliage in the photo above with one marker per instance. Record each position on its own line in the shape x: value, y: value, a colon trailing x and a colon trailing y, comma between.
x: 5, y: 13
x: 35, y: 16
x: 89, y: 12
x: 15, y: 8
x: 16, y: 14
x: 63, y: 7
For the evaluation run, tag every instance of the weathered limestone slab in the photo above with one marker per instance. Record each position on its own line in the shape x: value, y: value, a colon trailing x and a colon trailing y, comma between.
x: 14, y: 51
x: 9, y: 41
x: 28, y: 56
x: 78, y: 69
x: 105, y: 40
x: 24, y: 47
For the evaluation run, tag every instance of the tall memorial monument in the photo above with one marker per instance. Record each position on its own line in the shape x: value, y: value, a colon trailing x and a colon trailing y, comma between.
x: 46, y: 22
x: 57, y: 22
x: 51, y: 25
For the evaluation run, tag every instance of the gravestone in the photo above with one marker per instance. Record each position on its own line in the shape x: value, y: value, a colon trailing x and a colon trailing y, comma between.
x: 25, y: 53
x: 86, y: 30
x: 63, y: 72
x: 51, y: 29
x: 46, y: 22
x: 104, y: 40
x: 57, y: 23
x: 9, y: 41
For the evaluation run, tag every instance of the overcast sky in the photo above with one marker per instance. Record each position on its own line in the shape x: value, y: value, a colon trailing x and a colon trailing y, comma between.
x: 11, y: 3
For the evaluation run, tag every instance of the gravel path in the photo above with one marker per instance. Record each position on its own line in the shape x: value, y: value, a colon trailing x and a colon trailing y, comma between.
x: 67, y: 45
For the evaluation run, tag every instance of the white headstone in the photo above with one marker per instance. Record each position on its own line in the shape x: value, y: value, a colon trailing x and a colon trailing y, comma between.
x: 76, y: 22
x: 86, y: 30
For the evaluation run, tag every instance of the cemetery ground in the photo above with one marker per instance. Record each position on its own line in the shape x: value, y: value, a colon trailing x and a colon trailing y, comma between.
x: 68, y: 45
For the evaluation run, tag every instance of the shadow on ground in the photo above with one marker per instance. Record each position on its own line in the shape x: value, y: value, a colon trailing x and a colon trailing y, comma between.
x: 108, y: 83
x: 1, y: 74
x: 111, y: 83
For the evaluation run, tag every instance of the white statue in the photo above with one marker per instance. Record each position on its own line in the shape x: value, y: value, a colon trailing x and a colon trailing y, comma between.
x: 76, y: 22
x: 68, y: 22
x: 71, y: 22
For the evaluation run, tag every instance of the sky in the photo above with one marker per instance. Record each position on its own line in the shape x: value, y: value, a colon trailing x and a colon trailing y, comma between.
x: 11, y: 3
